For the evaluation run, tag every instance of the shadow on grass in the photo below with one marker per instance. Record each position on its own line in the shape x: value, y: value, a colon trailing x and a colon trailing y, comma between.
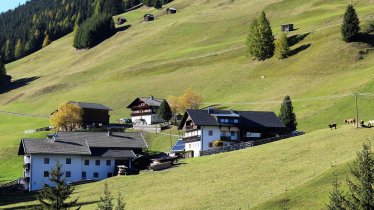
x: 294, y: 39
x: 37, y: 206
x: 299, y: 49
x: 123, y: 28
x: 18, y: 84
x: 365, y: 38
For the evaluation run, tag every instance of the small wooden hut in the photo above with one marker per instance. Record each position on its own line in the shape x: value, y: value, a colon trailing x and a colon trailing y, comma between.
x: 149, y: 17
x: 121, y: 20
x: 171, y: 10
x: 286, y: 27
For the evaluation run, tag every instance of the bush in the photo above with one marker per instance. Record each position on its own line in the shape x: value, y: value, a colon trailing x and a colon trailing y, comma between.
x: 93, y: 31
x: 217, y: 143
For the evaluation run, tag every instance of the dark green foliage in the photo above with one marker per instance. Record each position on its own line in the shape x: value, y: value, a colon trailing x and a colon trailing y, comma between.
x: 106, y: 200
x: 351, y: 24
x: 361, y: 192
x: 112, y: 7
x: 164, y: 111
x: 158, y: 4
x: 286, y: 114
x: 2, y: 68
x: 31, y: 22
x: 93, y: 31
x: 120, y: 203
x: 18, y: 51
x: 281, y: 47
x: 260, y: 41
x: 54, y: 197
x: 337, y: 199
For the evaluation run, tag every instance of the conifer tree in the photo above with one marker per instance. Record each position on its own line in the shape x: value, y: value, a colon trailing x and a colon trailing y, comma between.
x: 46, y: 41
x: 164, y: 111
x: 54, y: 197
x: 281, y: 47
x: 18, y: 51
x: 286, y: 115
x: 361, y: 195
x: 351, y: 24
x: 106, y: 200
x: 158, y: 4
x: 120, y: 204
x: 7, y: 51
x: 2, y: 68
x: 337, y: 199
x: 260, y: 40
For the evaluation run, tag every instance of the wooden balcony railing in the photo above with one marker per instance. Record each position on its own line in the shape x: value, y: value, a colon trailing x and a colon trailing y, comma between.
x: 140, y: 113
x: 192, y: 138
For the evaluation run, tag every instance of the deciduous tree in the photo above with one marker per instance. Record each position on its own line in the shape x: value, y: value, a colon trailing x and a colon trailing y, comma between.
x: 173, y: 103
x: 189, y: 100
x: 46, y: 41
x: 351, y: 24
x: 68, y: 117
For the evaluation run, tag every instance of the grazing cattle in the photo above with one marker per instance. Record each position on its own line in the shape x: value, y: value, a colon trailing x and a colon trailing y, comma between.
x: 350, y: 121
x: 333, y: 125
x: 371, y: 123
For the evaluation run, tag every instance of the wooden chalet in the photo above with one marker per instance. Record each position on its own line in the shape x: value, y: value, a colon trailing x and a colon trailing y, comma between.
x: 144, y: 110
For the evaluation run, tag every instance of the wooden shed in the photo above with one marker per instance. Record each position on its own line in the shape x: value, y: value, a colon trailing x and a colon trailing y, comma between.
x: 171, y: 10
x: 286, y: 27
x: 121, y: 20
x: 149, y: 17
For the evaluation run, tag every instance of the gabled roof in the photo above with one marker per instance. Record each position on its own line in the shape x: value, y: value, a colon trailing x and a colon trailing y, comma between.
x: 85, y: 105
x: 150, y: 101
x: 81, y: 143
x: 253, y: 119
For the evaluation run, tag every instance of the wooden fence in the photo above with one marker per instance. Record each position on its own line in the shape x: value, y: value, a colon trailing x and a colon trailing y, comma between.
x: 244, y: 145
x: 12, y: 187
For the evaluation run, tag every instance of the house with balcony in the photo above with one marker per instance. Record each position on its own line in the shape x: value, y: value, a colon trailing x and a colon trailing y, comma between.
x: 144, y: 110
x: 83, y: 155
x: 202, y: 128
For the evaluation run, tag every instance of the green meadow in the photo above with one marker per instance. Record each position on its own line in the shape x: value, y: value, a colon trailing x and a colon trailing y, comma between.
x: 203, y: 47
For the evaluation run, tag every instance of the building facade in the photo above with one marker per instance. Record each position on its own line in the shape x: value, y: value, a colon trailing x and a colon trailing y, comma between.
x: 144, y: 111
x: 205, y: 129
x: 83, y: 155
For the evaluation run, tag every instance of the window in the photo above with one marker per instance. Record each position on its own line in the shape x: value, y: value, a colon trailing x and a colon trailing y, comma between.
x: 236, y: 121
x: 108, y: 162
x: 210, y: 133
x: 110, y: 175
x: 221, y: 120
x: 97, y: 162
x: 86, y: 162
x: 68, y: 160
x: 223, y: 133
x: 84, y: 175
x: 46, y: 174
x: 96, y: 175
x: 232, y: 133
x: 68, y: 174
x: 226, y: 120
x: 46, y: 160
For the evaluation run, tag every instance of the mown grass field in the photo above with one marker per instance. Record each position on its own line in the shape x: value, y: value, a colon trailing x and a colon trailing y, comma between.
x: 263, y: 177
x: 203, y: 47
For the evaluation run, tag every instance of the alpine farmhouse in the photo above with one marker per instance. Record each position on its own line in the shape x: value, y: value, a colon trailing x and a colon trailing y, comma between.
x: 203, y: 127
x: 144, y: 110
x: 83, y: 155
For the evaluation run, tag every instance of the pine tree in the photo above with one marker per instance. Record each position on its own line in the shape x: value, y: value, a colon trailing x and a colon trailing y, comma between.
x: 361, y: 194
x: 337, y: 199
x: 260, y: 40
x: 351, y: 24
x: 158, y: 4
x: 18, y: 51
x: 46, y: 41
x: 281, y: 47
x: 2, y: 68
x: 164, y: 111
x: 55, y: 197
x: 106, y: 201
x: 120, y: 204
x: 286, y: 115
x: 7, y: 51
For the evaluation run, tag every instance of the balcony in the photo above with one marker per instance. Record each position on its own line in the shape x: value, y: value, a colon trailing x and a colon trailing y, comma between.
x: 26, y: 174
x: 26, y: 159
x: 26, y: 166
x: 228, y: 138
x: 190, y: 127
x: 134, y: 114
x: 192, y: 138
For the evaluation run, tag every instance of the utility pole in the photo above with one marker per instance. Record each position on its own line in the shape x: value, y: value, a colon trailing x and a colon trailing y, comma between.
x: 356, y: 96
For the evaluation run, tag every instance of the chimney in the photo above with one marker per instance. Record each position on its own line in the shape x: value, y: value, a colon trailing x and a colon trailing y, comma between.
x: 110, y: 133
x: 56, y: 137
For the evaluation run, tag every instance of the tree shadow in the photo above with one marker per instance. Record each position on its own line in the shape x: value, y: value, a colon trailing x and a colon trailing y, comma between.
x: 123, y: 28
x: 18, y: 84
x: 299, y: 49
x: 294, y: 39
x: 367, y: 38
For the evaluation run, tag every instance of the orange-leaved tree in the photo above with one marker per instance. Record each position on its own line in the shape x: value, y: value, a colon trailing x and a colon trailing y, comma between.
x: 68, y: 117
x: 189, y: 100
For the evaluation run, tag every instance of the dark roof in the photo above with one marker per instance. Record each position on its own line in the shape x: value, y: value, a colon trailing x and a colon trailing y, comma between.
x: 85, y: 105
x: 81, y: 143
x: 151, y: 101
x: 178, y: 147
x: 112, y: 153
x: 148, y: 15
x: 254, y: 119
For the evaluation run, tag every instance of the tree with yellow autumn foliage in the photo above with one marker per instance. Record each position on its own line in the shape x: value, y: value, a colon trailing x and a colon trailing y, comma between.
x: 173, y: 103
x: 189, y: 100
x: 68, y: 117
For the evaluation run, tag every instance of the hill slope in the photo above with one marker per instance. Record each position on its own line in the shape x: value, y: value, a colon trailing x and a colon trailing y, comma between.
x: 241, y: 179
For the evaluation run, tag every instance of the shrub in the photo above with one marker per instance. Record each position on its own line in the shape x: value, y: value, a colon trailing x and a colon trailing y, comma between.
x: 93, y: 31
x: 217, y: 143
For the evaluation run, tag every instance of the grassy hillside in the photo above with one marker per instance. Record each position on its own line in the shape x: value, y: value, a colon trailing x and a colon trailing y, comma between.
x: 259, y: 176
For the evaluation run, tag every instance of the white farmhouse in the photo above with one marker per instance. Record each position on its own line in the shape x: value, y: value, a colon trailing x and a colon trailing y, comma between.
x: 144, y: 110
x: 83, y: 155
x: 203, y: 127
